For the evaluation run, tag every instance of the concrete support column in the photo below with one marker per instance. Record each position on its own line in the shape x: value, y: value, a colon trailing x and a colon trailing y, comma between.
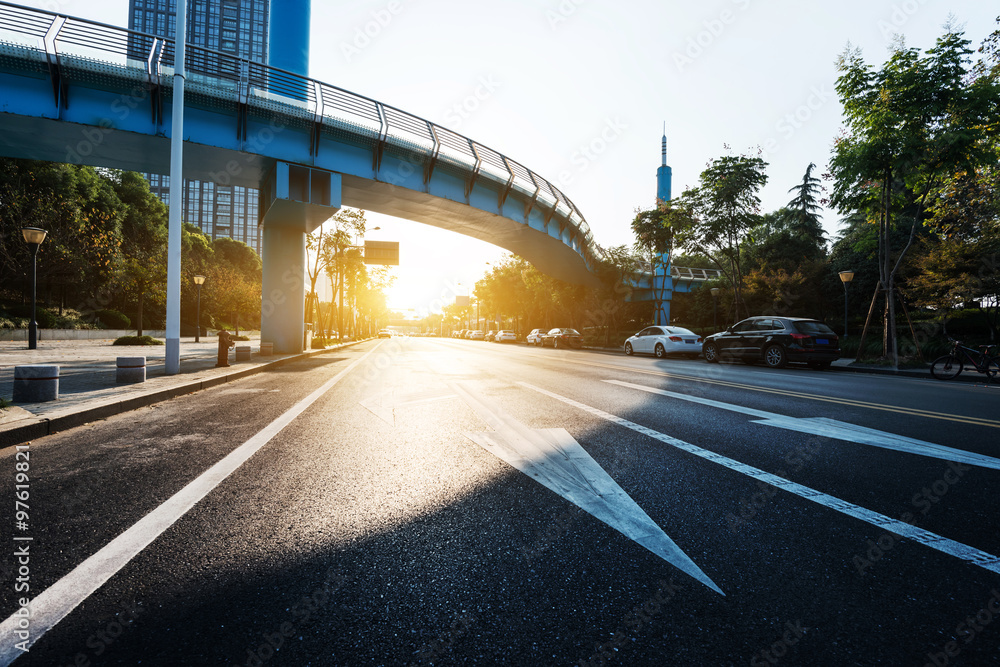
x: 283, y: 293
x: 295, y: 200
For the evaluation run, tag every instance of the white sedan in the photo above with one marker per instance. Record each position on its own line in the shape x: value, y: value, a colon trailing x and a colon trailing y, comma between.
x: 505, y: 335
x: 665, y: 340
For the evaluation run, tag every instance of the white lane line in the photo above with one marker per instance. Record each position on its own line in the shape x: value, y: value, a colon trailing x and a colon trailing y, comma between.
x: 961, y: 551
x: 554, y: 459
x: 58, y: 600
x: 831, y: 428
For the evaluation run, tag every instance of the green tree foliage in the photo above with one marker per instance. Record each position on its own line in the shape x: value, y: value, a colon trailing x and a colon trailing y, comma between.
x: 654, y: 236
x: 714, y: 219
x: 910, y: 125
x: 142, y: 269
x: 82, y: 215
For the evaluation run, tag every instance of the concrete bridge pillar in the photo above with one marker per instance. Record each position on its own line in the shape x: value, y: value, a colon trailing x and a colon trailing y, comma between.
x: 295, y: 200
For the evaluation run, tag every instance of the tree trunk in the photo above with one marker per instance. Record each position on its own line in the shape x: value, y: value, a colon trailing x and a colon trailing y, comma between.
x: 138, y: 331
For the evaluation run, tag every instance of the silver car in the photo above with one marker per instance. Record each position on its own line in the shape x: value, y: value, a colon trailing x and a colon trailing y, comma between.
x: 535, y: 337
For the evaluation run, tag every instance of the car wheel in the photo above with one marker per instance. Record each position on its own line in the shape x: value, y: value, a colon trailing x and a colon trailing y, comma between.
x: 774, y: 356
x: 660, y: 351
x: 628, y: 349
x: 711, y: 352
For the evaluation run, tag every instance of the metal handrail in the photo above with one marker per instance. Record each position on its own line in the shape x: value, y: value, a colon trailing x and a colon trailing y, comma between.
x: 317, y: 100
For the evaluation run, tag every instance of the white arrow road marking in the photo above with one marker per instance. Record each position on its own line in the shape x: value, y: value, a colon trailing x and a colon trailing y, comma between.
x: 934, y: 541
x: 831, y: 428
x: 383, y: 405
x: 555, y: 460
x: 55, y: 602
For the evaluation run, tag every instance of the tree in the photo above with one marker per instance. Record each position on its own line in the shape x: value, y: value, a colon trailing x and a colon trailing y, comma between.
x: 347, y: 224
x: 909, y: 125
x: 654, y: 236
x: 804, y: 210
x: 82, y: 214
x: 143, y: 267
x: 715, y: 217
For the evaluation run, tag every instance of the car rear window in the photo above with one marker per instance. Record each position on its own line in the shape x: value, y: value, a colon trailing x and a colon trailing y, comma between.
x: 814, y: 329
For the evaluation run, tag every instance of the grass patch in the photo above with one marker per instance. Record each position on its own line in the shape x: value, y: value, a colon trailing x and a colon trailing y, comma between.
x: 137, y: 340
x: 3, y: 403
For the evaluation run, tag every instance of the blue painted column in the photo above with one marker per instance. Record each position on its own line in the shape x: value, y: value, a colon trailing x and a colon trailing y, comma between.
x: 295, y: 201
x: 288, y: 35
x: 662, y: 280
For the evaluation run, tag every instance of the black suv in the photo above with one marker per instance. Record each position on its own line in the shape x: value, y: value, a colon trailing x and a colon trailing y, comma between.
x: 775, y: 341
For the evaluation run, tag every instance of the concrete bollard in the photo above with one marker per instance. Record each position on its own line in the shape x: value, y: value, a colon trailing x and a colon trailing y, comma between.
x: 266, y: 349
x: 130, y: 370
x: 242, y: 353
x: 36, y: 384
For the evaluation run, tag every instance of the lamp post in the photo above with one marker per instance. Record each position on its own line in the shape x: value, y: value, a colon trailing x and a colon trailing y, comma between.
x: 199, y: 281
x: 33, y: 236
x: 846, y: 277
x: 715, y: 309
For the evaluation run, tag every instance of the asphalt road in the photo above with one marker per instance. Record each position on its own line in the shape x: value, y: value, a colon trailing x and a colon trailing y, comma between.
x: 438, y: 501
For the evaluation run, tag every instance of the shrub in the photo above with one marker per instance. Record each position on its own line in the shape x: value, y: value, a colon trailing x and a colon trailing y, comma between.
x: 240, y: 337
x: 112, y: 319
x: 137, y: 340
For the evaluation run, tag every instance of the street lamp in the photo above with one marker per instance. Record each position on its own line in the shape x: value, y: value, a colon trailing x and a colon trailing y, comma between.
x: 33, y: 236
x: 846, y: 277
x: 715, y: 309
x: 199, y: 281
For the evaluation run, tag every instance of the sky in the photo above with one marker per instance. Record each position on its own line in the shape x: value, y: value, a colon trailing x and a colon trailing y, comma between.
x: 579, y: 92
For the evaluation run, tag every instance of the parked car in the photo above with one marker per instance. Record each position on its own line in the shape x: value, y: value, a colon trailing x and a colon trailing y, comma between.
x: 489, y: 335
x: 775, y: 341
x: 476, y: 334
x: 559, y: 337
x: 505, y: 335
x: 664, y: 340
x: 535, y: 337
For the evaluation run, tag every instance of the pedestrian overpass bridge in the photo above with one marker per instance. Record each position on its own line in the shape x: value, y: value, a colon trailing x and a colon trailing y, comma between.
x: 82, y: 92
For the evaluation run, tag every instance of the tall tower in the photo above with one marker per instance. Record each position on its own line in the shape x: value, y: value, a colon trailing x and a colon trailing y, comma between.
x: 664, y: 174
x: 236, y: 27
x: 662, y: 281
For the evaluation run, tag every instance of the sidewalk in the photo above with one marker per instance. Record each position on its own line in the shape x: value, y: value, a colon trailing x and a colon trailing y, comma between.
x: 87, y: 387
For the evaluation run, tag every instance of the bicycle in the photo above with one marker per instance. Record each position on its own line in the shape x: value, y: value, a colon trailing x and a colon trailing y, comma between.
x: 949, y: 366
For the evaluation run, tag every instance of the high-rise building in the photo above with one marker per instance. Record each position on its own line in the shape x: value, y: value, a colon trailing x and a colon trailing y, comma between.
x: 237, y: 27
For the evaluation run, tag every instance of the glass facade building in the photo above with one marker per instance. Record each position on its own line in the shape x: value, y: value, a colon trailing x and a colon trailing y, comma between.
x: 237, y: 27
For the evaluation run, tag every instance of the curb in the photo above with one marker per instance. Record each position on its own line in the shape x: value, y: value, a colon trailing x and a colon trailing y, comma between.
x: 37, y: 427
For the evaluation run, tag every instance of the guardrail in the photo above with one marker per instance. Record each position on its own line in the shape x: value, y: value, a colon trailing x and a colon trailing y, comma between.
x: 70, y: 49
